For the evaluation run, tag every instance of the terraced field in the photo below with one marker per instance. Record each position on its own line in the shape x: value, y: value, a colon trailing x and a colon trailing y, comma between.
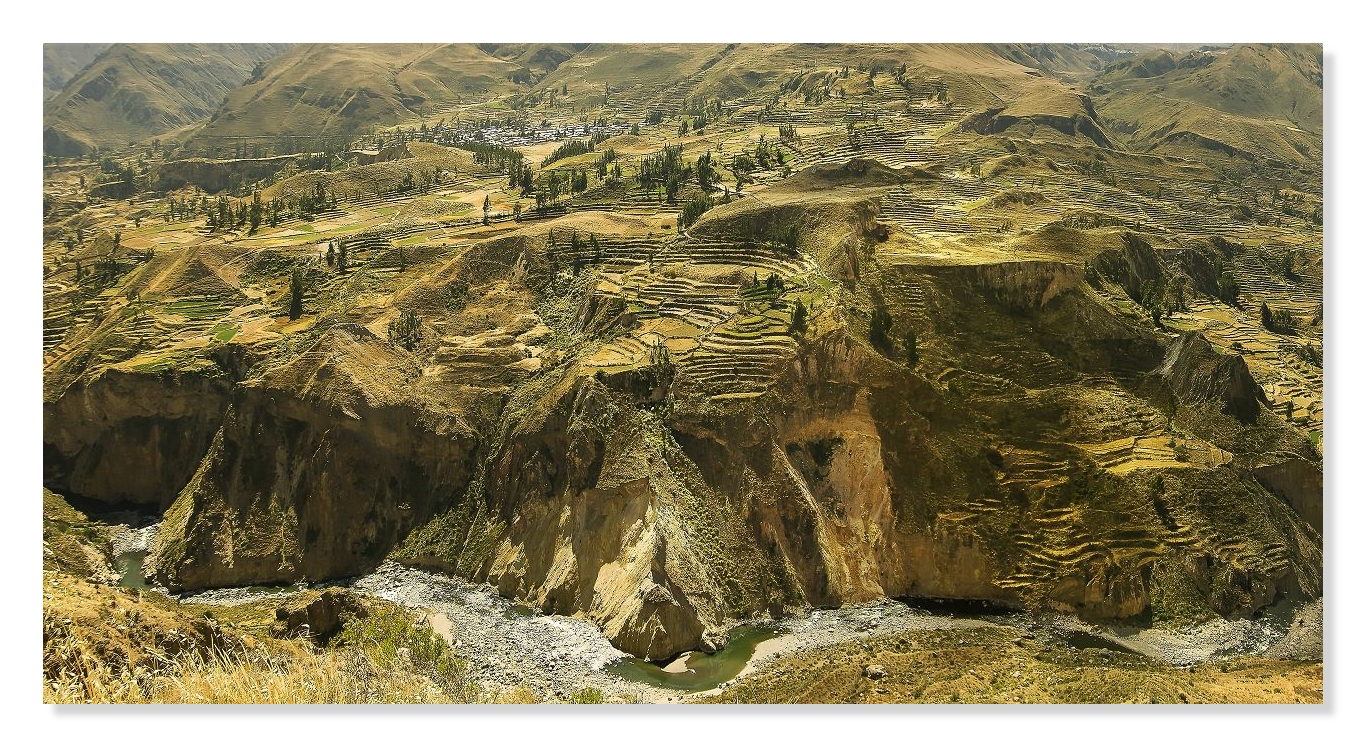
x: 755, y: 331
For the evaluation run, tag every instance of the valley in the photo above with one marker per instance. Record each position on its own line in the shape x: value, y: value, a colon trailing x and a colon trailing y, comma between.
x: 598, y: 353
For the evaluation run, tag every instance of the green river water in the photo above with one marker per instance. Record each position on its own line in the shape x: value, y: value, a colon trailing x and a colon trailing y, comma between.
x: 706, y: 670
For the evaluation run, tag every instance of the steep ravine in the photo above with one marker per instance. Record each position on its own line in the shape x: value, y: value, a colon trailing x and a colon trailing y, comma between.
x: 131, y: 437
x: 664, y: 516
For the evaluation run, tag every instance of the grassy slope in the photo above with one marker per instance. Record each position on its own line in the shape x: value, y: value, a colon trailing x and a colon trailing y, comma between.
x: 324, y: 89
x: 991, y: 665
x: 136, y: 91
x: 61, y: 63
x: 1259, y: 99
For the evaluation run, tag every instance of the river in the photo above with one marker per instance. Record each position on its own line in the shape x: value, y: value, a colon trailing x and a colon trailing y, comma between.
x: 510, y: 645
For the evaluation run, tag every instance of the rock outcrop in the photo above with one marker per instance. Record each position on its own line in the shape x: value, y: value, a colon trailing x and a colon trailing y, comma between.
x: 318, y: 470
x: 130, y: 437
x: 1300, y: 483
x: 1199, y: 373
x: 319, y: 615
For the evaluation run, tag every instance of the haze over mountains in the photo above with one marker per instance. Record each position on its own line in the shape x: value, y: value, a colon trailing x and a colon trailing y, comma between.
x: 1249, y: 100
x: 134, y: 92
x: 61, y: 62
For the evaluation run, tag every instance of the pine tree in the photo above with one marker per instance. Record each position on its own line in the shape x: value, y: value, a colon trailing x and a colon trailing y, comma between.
x: 256, y: 211
x: 331, y: 254
x: 879, y: 327
x: 406, y: 330
x: 487, y: 205
x: 798, y: 325
x: 341, y: 257
x: 296, y: 295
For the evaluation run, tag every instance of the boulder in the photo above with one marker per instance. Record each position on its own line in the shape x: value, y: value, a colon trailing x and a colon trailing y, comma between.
x: 319, y: 615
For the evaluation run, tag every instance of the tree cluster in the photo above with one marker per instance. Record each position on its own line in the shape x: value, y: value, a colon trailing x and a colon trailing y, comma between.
x: 406, y: 330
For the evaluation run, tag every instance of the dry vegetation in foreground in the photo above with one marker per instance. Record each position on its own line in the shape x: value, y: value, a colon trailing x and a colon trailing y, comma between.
x: 108, y: 645
x: 999, y: 666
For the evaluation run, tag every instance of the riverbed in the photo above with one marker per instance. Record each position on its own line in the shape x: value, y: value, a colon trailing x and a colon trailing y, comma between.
x: 510, y: 645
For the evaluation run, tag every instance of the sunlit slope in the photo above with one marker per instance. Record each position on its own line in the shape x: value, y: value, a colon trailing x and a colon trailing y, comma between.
x: 1251, y: 101
x: 329, y: 90
x: 61, y: 63
x: 132, y: 92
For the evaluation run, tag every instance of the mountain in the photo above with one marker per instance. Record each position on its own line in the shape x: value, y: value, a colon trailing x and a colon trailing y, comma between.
x: 324, y: 90
x: 61, y: 63
x: 1251, y: 101
x: 132, y: 92
x: 668, y: 337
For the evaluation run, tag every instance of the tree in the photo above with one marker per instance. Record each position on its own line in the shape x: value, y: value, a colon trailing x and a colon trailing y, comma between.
x: 1280, y: 321
x: 879, y: 327
x: 659, y: 361
x: 798, y: 325
x: 692, y: 210
x: 402, y: 260
x: 1228, y: 289
x: 331, y: 254
x: 706, y: 174
x: 254, y: 216
x: 912, y: 354
x: 406, y: 330
x: 296, y: 295
x: 341, y: 256
x: 487, y: 204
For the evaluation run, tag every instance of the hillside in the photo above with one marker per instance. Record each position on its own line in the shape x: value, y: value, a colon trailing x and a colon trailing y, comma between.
x: 135, y: 92
x: 1249, y: 102
x: 319, y: 91
x: 641, y: 349
x: 61, y: 63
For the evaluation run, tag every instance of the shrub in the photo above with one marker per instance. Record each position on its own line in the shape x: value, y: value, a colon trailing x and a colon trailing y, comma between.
x: 586, y: 696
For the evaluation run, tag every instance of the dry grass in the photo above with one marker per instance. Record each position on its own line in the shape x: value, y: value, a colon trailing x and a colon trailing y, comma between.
x: 997, y: 666
x: 106, y: 645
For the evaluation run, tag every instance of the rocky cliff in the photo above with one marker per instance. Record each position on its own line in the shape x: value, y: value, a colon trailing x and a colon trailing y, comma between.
x: 129, y: 437
x: 987, y: 429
